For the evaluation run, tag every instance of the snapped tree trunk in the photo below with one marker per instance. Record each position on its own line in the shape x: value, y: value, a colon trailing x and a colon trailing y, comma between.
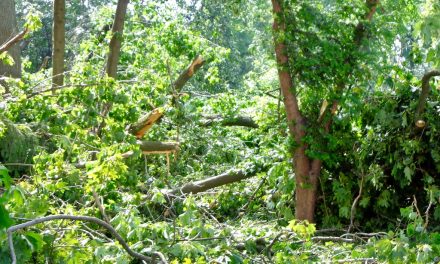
x: 59, y: 10
x: 8, y: 30
x: 145, y: 123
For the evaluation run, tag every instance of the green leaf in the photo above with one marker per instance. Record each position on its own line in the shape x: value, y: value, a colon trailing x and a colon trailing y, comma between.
x: 5, y: 220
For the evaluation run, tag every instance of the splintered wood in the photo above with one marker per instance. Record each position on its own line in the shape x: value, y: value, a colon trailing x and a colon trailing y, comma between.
x: 145, y: 123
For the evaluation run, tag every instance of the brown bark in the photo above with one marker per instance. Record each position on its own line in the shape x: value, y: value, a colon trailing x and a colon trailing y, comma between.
x: 113, y: 55
x: 188, y: 73
x: 59, y: 11
x: 145, y: 123
x: 10, y: 43
x: 148, y: 147
x: 244, y: 121
x: 426, y: 88
x: 115, y: 42
x: 8, y: 30
x: 212, y: 182
x: 305, y: 182
x: 306, y: 171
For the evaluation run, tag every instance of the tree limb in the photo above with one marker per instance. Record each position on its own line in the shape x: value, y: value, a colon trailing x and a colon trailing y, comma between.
x: 188, y: 73
x: 424, y: 96
x: 95, y: 220
x: 212, y: 182
x: 245, y: 121
x: 13, y: 40
x: 145, y: 123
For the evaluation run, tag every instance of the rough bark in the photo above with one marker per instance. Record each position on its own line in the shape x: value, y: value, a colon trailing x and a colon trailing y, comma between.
x: 158, y: 147
x: 145, y: 123
x: 59, y: 11
x: 115, y: 42
x: 8, y: 30
x: 426, y: 88
x: 244, y: 121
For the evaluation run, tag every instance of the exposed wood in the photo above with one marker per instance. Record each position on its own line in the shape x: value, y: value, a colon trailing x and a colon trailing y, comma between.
x: 59, y: 43
x: 426, y: 88
x: 145, y: 123
x: 158, y: 147
x: 188, y: 73
x: 244, y: 121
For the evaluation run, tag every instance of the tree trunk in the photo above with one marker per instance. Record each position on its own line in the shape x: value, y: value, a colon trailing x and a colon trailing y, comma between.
x: 8, y: 30
x: 306, y: 181
x: 59, y: 10
x: 115, y: 42
x: 113, y: 55
x: 307, y: 171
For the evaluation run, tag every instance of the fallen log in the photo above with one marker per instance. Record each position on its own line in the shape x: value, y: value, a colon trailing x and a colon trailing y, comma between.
x: 216, y: 181
x: 151, y: 147
x: 244, y: 121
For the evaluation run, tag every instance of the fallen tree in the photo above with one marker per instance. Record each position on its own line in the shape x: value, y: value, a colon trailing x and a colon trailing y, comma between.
x: 244, y: 121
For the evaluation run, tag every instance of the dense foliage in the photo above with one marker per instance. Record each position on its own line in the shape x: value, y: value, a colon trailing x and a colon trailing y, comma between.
x: 379, y: 170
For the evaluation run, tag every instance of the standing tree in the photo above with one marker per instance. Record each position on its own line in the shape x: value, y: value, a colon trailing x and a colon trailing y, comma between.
x: 59, y: 10
x: 115, y: 43
x: 307, y: 167
x: 113, y: 55
x: 8, y: 30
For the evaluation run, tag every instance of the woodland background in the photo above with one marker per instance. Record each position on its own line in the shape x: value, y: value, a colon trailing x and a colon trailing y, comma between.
x: 196, y: 131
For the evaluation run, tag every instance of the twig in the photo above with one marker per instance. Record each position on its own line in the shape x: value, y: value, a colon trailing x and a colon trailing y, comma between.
x: 100, y: 207
x: 332, y: 239
x: 427, y: 211
x: 353, y: 206
x: 95, y: 220
x: 251, y: 199
x: 355, y: 260
x: 59, y: 88
x: 417, y: 208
